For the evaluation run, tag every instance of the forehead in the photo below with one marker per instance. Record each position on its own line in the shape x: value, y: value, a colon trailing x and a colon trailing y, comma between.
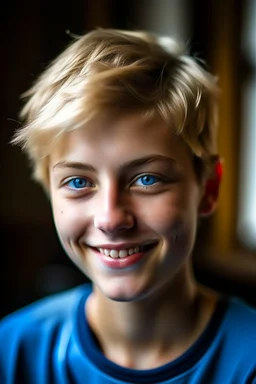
x: 127, y: 137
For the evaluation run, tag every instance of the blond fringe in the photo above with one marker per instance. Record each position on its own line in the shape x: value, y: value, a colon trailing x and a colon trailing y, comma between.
x: 119, y: 71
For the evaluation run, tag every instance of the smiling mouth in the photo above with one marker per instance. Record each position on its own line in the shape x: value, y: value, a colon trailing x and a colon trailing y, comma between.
x: 122, y: 253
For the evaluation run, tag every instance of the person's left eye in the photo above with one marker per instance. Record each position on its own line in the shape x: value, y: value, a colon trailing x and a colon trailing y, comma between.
x: 77, y: 183
x: 147, y: 180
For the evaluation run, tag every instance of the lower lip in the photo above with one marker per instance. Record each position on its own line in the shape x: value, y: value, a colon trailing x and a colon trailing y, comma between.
x: 120, y: 263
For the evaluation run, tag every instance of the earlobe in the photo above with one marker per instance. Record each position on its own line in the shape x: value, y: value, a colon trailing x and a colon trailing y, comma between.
x: 207, y: 206
x: 211, y: 190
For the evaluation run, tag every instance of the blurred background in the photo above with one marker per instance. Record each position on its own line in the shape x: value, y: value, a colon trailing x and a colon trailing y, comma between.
x: 223, y: 33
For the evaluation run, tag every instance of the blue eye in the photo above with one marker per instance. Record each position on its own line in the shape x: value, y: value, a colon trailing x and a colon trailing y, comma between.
x: 79, y: 183
x: 147, y: 180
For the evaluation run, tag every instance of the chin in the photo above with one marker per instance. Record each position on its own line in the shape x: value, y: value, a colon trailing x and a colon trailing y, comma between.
x: 126, y: 298
x: 125, y: 292
x: 122, y: 295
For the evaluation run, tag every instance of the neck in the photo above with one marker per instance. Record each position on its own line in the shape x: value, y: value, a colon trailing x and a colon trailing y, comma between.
x: 152, y: 331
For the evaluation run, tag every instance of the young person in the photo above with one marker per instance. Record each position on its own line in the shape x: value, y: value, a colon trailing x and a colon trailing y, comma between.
x: 121, y: 132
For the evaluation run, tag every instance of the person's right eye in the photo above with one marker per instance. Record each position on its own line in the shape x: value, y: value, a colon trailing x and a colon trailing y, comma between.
x: 78, y: 183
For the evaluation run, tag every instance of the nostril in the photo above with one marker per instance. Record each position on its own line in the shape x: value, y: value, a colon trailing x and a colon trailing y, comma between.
x: 110, y: 229
x: 114, y: 223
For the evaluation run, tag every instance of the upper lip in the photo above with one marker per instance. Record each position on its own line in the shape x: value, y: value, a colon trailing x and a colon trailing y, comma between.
x: 118, y: 247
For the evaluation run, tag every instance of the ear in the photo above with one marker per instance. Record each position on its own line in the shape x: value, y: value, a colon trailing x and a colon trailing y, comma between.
x: 211, y: 190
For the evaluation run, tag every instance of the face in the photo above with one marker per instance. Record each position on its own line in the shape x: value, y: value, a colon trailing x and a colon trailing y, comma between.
x: 125, y: 201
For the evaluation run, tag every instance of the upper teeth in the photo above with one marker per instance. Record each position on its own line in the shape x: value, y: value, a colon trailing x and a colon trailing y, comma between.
x: 122, y: 253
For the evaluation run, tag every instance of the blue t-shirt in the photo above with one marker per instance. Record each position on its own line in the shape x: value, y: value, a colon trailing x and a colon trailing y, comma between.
x: 50, y: 342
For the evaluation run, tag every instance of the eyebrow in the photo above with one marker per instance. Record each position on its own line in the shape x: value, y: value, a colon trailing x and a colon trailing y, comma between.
x: 74, y: 165
x: 148, y: 159
x: 129, y: 164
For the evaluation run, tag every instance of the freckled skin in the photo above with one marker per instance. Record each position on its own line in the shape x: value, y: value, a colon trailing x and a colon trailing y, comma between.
x: 115, y: 208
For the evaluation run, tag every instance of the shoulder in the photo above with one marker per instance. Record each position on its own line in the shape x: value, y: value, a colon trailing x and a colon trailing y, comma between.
x: 235, y: 343
x: 238, y: 331
x: 53, y: 307
x: 34, y: 331
x: 239, y: 314
x: 41, y: 316
x: 239, y: 323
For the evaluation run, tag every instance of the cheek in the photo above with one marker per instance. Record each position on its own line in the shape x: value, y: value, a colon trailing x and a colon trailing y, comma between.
x: 69, y: 220
x: 170, y: 213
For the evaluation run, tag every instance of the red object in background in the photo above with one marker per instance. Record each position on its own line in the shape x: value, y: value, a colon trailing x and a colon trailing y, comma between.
x: 218, y: 170
x: 213, y: 184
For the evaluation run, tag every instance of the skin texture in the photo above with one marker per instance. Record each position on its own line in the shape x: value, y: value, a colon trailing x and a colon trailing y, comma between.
x: 99, y: 198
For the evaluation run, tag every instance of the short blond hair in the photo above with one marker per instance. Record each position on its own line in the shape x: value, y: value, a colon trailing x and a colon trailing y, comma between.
x: 119, y: 71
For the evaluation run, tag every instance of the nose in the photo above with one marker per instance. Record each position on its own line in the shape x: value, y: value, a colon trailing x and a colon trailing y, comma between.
x: 113, y: 213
